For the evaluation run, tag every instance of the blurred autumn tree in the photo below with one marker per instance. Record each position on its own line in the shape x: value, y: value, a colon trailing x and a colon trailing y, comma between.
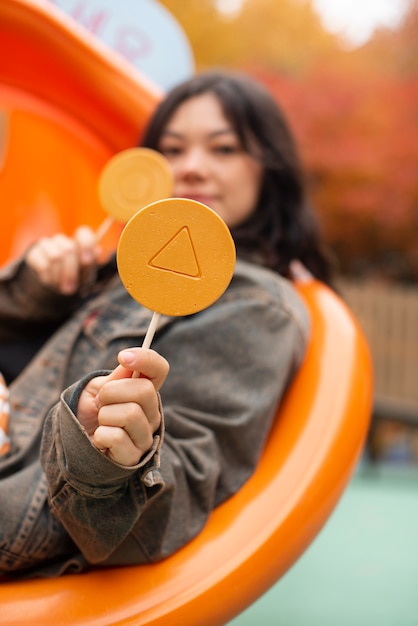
x: 359, y: 142
x: 354, y: 113
x: 394, y: 52
x: 283, y: 35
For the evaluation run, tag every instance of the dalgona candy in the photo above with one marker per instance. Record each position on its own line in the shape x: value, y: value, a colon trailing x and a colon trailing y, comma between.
x: 176, y: 256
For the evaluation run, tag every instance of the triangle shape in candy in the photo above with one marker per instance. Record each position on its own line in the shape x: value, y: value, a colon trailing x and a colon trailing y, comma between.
x: 178, y: 256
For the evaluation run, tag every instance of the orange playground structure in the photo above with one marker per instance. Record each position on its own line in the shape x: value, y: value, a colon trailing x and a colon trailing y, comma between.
x: 67, y: 104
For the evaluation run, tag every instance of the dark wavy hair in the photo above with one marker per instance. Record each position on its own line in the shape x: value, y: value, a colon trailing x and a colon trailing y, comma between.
x: 283, y: 226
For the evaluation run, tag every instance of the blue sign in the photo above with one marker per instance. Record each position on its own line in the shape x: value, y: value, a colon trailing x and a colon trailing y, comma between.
x: 142, y: 31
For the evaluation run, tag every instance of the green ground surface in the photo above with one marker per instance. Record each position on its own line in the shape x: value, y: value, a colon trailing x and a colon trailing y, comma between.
x: 362, y: 569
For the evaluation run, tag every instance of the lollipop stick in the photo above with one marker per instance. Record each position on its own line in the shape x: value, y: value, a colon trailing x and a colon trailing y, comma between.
x: 151, y: 329
x: 149, y: 335
x: 104, y: 227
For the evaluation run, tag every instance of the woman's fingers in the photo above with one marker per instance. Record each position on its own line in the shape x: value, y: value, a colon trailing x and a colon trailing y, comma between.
x: 54, y: 261
x: 118, y: 445
x: 87, y: 248
x: 128, y: 417
x: 59, y: 260
x: 126, y: 431
x: 120, y: 412
x: 145, y: 362
x: 65, y: 265
x: 124, y: 403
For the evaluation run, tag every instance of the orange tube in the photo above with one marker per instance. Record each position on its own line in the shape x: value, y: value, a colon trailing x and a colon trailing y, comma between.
x: 251, y: 540
x: 66, y: 105
x: 96, y: 106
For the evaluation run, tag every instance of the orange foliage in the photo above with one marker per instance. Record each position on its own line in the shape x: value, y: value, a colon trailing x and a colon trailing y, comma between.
x: 355, y: 115
x: 394, y: 51
x: 284, y: 34
x: 359, y: 142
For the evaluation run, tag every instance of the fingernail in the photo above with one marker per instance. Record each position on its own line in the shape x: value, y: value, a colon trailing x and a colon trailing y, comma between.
x: 87, y: 257
x: 69, y: 288
x: 127, y: 356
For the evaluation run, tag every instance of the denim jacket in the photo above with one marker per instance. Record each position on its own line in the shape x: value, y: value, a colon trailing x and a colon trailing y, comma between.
x: 63, y: 504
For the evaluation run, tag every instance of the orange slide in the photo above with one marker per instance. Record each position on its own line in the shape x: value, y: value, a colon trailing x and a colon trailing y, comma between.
x: 66, y: 105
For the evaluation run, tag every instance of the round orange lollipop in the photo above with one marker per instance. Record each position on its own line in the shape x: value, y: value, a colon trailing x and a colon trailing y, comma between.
x: 130, y: 180
x: 176, y: 256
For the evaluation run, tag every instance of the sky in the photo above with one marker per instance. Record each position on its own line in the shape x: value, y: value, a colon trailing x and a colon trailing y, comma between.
x: 356, y: 21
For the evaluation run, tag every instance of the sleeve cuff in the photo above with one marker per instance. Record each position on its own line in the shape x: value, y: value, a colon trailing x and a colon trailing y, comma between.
x: 88, y: 469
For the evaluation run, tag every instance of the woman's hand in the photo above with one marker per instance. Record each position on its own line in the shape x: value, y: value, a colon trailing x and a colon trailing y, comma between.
x: 121, y: 413
x: 64, y: 263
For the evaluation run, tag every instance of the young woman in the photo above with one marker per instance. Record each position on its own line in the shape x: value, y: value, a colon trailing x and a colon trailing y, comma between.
x: 104, y: 468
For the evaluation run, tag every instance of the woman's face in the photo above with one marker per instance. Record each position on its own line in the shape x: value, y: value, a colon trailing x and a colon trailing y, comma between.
x: 208, y: 160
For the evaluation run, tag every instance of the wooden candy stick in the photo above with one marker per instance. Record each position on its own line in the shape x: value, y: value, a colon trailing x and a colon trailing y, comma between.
x: 149, y: 335
x: 175, y: 257
x: 130, y: 180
